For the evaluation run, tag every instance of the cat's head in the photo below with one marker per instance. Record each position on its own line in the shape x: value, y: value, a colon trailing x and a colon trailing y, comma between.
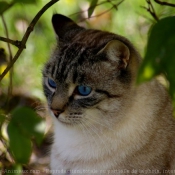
x: 90, y: 74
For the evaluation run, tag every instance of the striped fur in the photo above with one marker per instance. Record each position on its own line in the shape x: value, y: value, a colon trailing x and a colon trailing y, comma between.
x: 119, y: 128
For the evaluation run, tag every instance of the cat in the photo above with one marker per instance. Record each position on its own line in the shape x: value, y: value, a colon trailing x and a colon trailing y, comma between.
x: 103, y: 122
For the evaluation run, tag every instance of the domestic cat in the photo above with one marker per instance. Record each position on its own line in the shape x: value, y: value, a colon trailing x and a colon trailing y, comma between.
x: 103, y: 122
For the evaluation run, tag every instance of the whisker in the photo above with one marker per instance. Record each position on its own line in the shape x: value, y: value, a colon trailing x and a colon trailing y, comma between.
x: 90, y: 135
x: 85, y: 130
x: 108, y: 127
x: 102, y: 141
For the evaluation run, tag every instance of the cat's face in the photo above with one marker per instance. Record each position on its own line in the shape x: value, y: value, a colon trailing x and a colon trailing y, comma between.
x: 88, y: 76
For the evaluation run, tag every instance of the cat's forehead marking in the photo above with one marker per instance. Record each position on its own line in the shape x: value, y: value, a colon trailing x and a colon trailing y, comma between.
x: 70, y: 58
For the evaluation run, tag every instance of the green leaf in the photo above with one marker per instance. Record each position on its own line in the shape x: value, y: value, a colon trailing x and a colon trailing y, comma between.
x: 15, y: 170
x: 20, y: 146
x: 160, y: 53
x: 29, y: 123
x: 4, y: 6
x: 24, y: 125
x: 92, y: 7
x: 26, y: 1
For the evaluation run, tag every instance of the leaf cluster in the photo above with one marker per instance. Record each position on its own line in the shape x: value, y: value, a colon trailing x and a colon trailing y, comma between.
x: 24, y: 127
x: 160, y: 54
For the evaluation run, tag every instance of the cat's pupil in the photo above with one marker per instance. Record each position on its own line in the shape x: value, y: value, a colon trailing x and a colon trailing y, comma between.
x: 84, y: 90
x: 51, y: 83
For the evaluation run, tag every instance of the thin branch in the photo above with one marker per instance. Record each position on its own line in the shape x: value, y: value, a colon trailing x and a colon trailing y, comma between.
x: 148, y: 11
x: 7, y: 7
x: 26, y: 36
x: 7, y: 40
x: 164, y: 3
x: 144, y: 16
x: 10, y: 88
x: 100, y: 13
x: 113, y: 6
x: 79, y: 12
x: 151, y: 10
x: 7, y: 35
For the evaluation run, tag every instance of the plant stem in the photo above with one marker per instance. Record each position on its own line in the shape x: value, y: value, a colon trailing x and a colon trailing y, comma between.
x: 26, y: 36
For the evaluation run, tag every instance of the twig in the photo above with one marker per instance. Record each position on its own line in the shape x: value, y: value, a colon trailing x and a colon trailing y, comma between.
x: 164, y: 3
x: 7, y: 35
x: 79, y: 12
x: 113, y: 6
x: 10, y: 88
x: 96, y: 15
x: 7, y: 40
x: 26, y: 36
x: 151, y: 10
x: 7, y: 7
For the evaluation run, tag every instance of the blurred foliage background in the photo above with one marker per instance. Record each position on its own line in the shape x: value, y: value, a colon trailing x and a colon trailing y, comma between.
x: 132, y: 19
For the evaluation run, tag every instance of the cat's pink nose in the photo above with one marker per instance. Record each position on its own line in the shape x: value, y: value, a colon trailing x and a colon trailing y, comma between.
x: 56, y: 112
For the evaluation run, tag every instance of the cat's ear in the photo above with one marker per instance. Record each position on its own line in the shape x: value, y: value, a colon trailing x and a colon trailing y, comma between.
x: 118, y: 52
x: 64, y: 27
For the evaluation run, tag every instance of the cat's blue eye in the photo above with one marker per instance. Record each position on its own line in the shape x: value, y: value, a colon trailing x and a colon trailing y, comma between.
x: 84, y: 90
x: 52, y: 83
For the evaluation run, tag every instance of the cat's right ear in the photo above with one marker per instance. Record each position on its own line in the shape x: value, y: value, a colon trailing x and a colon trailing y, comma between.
x: 64, y: 27
x: 117, y: 52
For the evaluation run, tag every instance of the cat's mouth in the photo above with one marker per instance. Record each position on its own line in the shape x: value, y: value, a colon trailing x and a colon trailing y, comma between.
x: 68, y: 118
x: 71, y: 119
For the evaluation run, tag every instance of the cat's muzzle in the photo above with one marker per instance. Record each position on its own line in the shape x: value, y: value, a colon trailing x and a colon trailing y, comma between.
x: 56, y: 112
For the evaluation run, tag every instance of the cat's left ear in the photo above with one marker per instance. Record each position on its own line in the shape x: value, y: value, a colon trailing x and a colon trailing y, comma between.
x: 117, y: 52
x: 64, y: 27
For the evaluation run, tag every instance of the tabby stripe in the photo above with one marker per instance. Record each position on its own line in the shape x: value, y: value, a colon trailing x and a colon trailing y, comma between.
x: 61, y: 64
x: 107, y: 93
x: 81, y: 59
x: 53, y: 70
x: 68, y: 67
x: 62, y: 53
x: 75, y: 75
x: 82, y: 79
x: 78, y: 54
x: 67, y: 63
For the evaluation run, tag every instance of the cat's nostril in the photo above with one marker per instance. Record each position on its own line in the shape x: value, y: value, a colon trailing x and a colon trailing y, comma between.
x: 56, y: 112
